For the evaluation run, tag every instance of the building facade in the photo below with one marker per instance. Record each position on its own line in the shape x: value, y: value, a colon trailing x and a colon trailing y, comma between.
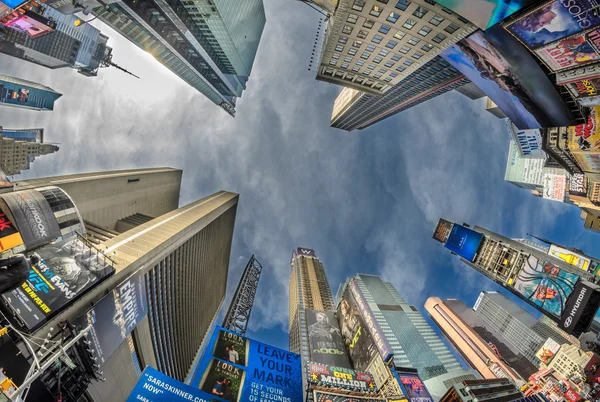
x: 371, y: 45
x: 354, y: 109
x: 18, y: 155
x: 569, y: 361
x: 27, y: 134
x: 491, y: 390
x: 17, y: 92
x: 210, y: 44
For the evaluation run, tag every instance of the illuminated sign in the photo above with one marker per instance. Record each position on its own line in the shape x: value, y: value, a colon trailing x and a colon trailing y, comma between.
x: 340, y: 377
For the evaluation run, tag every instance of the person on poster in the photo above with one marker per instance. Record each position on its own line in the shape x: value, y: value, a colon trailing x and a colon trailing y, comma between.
x: 225, y: 355
x: 323, y: 331
x: 15, y: 270
x: 234, y: 357
x: 219, y: 387
x: 350, y: 322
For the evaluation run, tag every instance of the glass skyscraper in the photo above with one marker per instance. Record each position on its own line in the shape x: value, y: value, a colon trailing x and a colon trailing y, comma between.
x: 210, y: 44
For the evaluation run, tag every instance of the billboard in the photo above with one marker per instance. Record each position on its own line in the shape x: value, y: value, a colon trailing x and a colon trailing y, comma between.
x: 586, y: 137
x: 320, y: 396
x: 9, y: 235
x: 553, y: 21
x: 580, y: 309
x: 507, y: 73
x: 306, y: 252
x: 412, y: 386
x: 464, y: 242
x: 571, y: 257
x: 67, y: 269
x: 340, y: 377
x: 484, y: 14
x: 585, y: 88
x: 545, y: 285
x: 33, y: 217
x: 442, y: 230
x: 578, y: 74
x: 529, y: 142
x: 115, y: 316
x: 555, y: 186
x: 32, y: 24
x: 548, y: 351
x: 235, y: 368
x: 571, y: 51
x: 578, y: 184
x: 326, y: 344
x: 588, y: 162
x: 522, y: 170
x: 13, y: 3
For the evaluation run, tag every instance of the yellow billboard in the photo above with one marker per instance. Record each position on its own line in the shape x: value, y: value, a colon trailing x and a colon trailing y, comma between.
x: 570, y: 257
x: 586, y: 137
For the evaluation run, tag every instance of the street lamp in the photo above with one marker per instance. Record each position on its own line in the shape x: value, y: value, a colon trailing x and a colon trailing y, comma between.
x: 79, y: 22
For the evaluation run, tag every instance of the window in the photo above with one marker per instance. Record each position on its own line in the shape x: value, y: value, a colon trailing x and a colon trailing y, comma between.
x: 377, y: 76
x: 427, y: 47
x: 345, y: 65
x: 333, y: 62
x: 383, y: 52
x: 396, y: 57
x: 369, y: 24
x: 404, y: 49
x: 420, y: 12
x: 417, y: 55
x: 424, y: 31
x: 348, y: 59
x: 463, y: 20
x: 408, y: 62
x: 347, y: 29
x: 371, y: 66
x: 383, y: 1
x: 339, y: 48
x: 357, y: 43
x: 335, y: 56
x: 432, y: 2
x: 451, y: 28
x: 387, y: 79
x: 439, y: 37
x: 365, y: 56
x: 384, y: 29
x: 355, y: 69
x: 376, y: 11
x: 447, y: 10
x: 409, y: 23
x: 133, y: 180
x: 343, y: 39
x: 370, y: 48
x: 358, y: 5
x: 391, y: 44
x: 393, y: 74
x: 400, y: 68
x: 377, y: 60
x: 362, y: 34
x: 377, y: 39
x: 399, y: 35
x: 352, y: 18
x: 366, y: 72
x: 436, y: 20
x: 352, y: 52
x: 393, y: 17
x: 360, y: 63
x: 383, y: 70
x: 403, y: 4
x: 414, y: 40
x: 389, y: 64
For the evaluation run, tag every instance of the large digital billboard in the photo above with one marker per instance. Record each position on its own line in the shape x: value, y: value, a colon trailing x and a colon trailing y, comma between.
x: 581, y: 308
x: 507, y: 73
x: 325, y: 341
x: 571, y: 257
x: 325, y: 376
x: 235, y: 368
x: 548, y: 350
x: 484, y: 14
x: 442, y: 230
x: 67, y: 269
x: 412, y: 385
x: 542, y: 283
x: 464, y: 242
x: 115, y: 316
x: 572, y: 51
x: 320, y: 396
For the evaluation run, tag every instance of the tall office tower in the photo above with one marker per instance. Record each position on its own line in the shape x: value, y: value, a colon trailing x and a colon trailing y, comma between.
x: 371, y: 46
x: 20, y: 134
x: 17, y: 155
x: 80, y: 47
x: 474, y: 350
x: 309, y: 290
x: 25, y: 94
x: 181, y: 259
x: 210, y: 44
x: 353, y: 109
x: 413, y: 341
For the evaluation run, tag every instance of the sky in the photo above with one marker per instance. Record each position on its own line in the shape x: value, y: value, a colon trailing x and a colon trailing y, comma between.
x: 366, y: 201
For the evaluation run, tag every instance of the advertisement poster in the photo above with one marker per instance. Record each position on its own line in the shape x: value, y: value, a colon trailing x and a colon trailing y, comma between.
x: 578, y: 74
x: 589, y: 163
x: 570, y: 257
x: 585, y: 88
x: 484, y: 14
x: 571, y: 51
x: 33, y: 217
x: 464, y: 242
x: 555, y: 20
x: 507, y: 73
x: 235, y: 368
x: 522, y: 170
x: 528, y: 142
x: 9, y: 235
x: 32, y: 24
x: 115, y: 316
x: 320, y: 396
x: 67, y: 269
x: 578, y: 184
x: 413, y: 387
x: 442, y: 230
x: 581, y: 308
x: 326, y: 345
x: 586, y: 137
x: 545, y: 285
x: 548, y: 351
x: 339, y: 377
x: 359, y: 343
x: 555, y: 187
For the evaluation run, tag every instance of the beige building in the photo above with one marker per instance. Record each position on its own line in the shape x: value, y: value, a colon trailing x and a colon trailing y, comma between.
x: 16, y: 156
x: 371, y: 45
x: 569, y: 360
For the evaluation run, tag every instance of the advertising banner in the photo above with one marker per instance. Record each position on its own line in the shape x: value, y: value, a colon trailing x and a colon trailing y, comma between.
x: 555, y: 186
x: 577, y: 74
x: 320, y: 396
x: 572, y: 51
x: 545, y: 285
x: 442, y: 230
x: 586, y: 137
x: 507, y: 73
x: 9, y: 235
x: 306, y: 252
x: 464, y: 242
x: 326, y: 344
x: 553, y: 21
x: 578, y: 184
x: 548, y: 351
x: 572, y: 395
x: 32, y: 24
x: 13, y: 3
x: 235, y: 369
x: 67, y: 270
x: 584, y: 88
x: 339, y: 377
x: 359, y: 343
x: 523, y: 170
x: 570, y: 257
x: 484, y: 14
x: 580, y: 309
x: 115, y: 316
x: 528, y: 142
x: 413, y: 387
x: 33, y: 217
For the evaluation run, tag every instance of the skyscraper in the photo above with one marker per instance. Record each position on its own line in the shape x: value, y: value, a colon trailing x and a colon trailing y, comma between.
x: 309, y: 290
x: 413, y: 341
x: 17, y: 155
x: 370, y: 45
x: 210, y: 44
x: 353, y: 109
x: 183, y: 258
x: 25, y: 94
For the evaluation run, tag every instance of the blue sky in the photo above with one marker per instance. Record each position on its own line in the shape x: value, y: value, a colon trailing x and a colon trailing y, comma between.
x: 366, y: 201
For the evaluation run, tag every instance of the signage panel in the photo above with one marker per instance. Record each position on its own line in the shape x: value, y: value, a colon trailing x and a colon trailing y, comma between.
x: 320, y: 396
x: 9, y: 235
x: 571, y: 52
x: 413, y: 386
x: 32, y: 24
x: 548, y: 351
x: 522, y: 170
x: 326, y: 376
x: 578, y: 74
x: 442, y: 230
x: 570, y: 257
x: 306, y: 252
x: 326, y: 344
x: 581, y: 308
x: 555, y: 186
x: 464, y: 242
x: 154, y: 386
x: 578, y: 184
x: 528, y: 142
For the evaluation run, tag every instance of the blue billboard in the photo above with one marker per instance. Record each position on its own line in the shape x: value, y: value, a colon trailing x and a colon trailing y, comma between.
x: 235, y: 368
x: 464, y: 242
x: 154, y: 386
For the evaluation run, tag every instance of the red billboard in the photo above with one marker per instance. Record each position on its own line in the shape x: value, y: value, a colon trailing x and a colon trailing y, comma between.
x: 572, y: 51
